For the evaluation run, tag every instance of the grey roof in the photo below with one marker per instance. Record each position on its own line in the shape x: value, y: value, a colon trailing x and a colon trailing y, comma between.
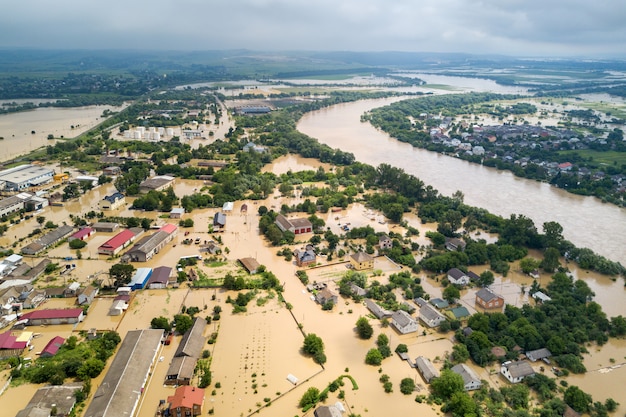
x: 48, y: 239
x: 486, y: 295
x: 426, y: 368
x: 182, y: 367
x: 59, y: 396
x: 377, y: 310
x: 282, y: 222
x: 193, y: 340
x: 148, y: 243
x: 538, y: 354
x: 402, y: 318
x: 428, y: 313
x: 105, y: 225
x: 456, y: 273
x: 519, y: 369
x: 361, y: 257
x: 120, y: 390
x: 466, y: 373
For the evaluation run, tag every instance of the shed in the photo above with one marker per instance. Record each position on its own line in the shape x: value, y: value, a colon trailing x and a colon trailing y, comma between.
x: 426, y: 368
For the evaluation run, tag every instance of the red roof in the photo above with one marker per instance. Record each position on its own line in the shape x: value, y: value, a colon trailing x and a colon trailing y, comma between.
x: 53, y: 346
x: 8, y: 341
x: 56, y: 313
x: 118, y: 240
x: 186, y: 396
x: 82, y: 233
x: 169, y: 228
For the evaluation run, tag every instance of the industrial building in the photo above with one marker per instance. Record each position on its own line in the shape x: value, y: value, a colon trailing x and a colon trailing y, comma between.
x: 24, y: 176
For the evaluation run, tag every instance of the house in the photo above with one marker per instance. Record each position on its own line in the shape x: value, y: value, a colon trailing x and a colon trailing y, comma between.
x: 72, y: 290
x: 112, y: 202
x: 439, y: 303
x: 426, y: 368
x: 431, y: 316
x: 160, y: 277
x: 122, y: 387
x: 140, y: 279
x: 305, y: 257
x: 181, y: 369
x: 356, y: 290
x: 52, y: 347
x: 540, y: 297
x: 34, y: 298
x: 473, y: 276
x: 540, y: 354
x: 219, y: 220
x: 186, y: 401
x: 10, y: 346
x: 250, y: 264
x: 459, y: 313
x: 327, y: 411
x: 455, y: 244
x: 458, y: 277
x: 112, y: 170
x: 54, y: 316
x: 361, y: 261
x: 516, y: 371
x: 118, y: 242
x: 471, y: 381
x: 157, y: 183
x: 61, y: 398
x: 377, y: 310
x: 296, y: 226
x: 385, y: 242
x: 177, y: 213
x: 47, y: 240
x: 403, y: 322
x: 105, y: 227
x: 82, y: 234
x: 252, y: 147
x: 87, y: 295
x: 228, y: 206
x: 325, y: 295
x: 149, y: 246
x: 489, y: 300
x: 119, y: 306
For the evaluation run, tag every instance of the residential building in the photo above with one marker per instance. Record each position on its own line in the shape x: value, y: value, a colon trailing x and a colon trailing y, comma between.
x: 538, y: 355
x: 377, y: 310
x: 87, y: 295
x: 356, y: 290
x: 140, y: 279
x: 112, y: 202
x: 471, y: 381
x: 120, y: 304
x: 186, y: 401
x: 112, y: 170
x: 52, y: 347
x: 403, y: 322
x: 361, y: 261
x: 455, y: 244
x: 489, y: 300
x: 305, y: 257
x: 439, y: 303
x: 459, y: 313
x: 157, y: 183
x: 61, y: 398
x: 47, y: 240
x: 122, y: 387
x: 82, y: 234
x: 431, y: 316
x: 540, y: 297
x: 187, y: 354
x: 10, y: 346
x: 327, y: 411
x: 177, y: 213
x: 458, y: 277
x: 160, y: 277
x: 250, y: 264
x: 118, y: 242
x: 385, y: 242
x: 325, y: 295
x: 516, y: 371
x: 54, y: 316
x: 219, y: 220
x: 297, y: 226
x: 426, y: 368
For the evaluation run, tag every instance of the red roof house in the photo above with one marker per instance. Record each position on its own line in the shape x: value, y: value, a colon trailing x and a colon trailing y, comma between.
x: 169, y: 228
x: 9, y: 346
x: 82, y: 234
x: 54, y: 316
x: 187, y: 401
x: 116, y: 243
x: 52, y: 347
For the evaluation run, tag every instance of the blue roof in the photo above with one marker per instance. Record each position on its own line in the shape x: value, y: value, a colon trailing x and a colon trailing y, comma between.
x: 139, y: 280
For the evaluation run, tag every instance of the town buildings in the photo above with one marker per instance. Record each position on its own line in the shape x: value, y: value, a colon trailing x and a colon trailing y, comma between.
x: 489, y: 300
x: 297, y: 226
x: 361, y: 261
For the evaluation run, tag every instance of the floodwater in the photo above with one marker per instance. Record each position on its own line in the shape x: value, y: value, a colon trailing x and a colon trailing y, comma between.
x: 17, y: 128
x: 586, y: 221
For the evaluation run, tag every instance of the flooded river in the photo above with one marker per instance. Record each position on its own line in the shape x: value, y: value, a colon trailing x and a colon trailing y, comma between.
x: 587, y: 222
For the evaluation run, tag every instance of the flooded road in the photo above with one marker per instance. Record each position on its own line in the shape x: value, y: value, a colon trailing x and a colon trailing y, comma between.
x: 586, y: 221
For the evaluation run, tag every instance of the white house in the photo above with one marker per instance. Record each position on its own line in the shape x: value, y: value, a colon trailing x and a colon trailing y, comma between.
x: 403, y: 322
x: 458, y: 277
x: 431, y: 316
x: 471, y: 381
x: 516, y: 371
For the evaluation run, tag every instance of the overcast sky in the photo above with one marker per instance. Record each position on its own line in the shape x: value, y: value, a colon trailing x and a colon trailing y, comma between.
x: 511, y: 27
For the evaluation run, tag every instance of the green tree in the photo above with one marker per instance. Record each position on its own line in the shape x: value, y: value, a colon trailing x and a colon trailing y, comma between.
x: 77, y: 244
x: 460, y: 353
x: 309, y: 398
x: 364, y: 328
x: 314, y: 346
x: 161, y: 323
x: 550, y: 260
x: 91, y: 368
x: 121, y: 273
x: 578, y: 399
x: 486, y: 279
x: 528, y: 265
x: 407, y: 386
x: 451, y: 293
x: 183, y: 323
x: 374, y: 357
x: 447, y: 384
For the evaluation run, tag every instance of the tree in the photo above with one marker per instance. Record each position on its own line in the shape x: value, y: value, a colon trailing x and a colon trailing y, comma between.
x: 41, y: 220
x: 550, y: 260
x: 460, y: 353
x: 451, y: 293
x: 364, y: 328
x: 407, y: 386
x: 314, y: 346
x: 77, y: 244
x: 309, y: 398
x: 161, y: 323
x: 577, y: 399
x: 182, y: 322
x: 91, y: 368
x: 122, y: 273
x: 374, y: 357
x: 528, y: 265
x: 447, y: 384
x: 486, y: 279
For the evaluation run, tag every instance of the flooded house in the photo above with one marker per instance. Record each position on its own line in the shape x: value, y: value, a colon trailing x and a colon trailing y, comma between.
x: 305, y: 257
x: 457, y: 277
x: 489, y: 300
x: 112, y: 202
x: 47, y: 240
x: 181, y: 369
x: 471, y: 381
x: 52, y: 397
x: 87, y: 295
x: 430, y: 316
x: 426, y: 368
x: 296, y: 226
x: 515, y: 372
x: 361, y: 261
x: 118, y: 242
x: 403, y: 322
x: 52, y: 347
x: 54, y: 316
x: 160, y: 277
x: 186, y: 401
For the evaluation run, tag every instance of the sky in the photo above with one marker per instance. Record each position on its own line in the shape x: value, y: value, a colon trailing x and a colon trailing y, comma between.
x: 557, y: 28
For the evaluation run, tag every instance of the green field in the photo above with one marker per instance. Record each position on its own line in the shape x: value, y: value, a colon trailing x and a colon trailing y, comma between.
x: 602, y: 158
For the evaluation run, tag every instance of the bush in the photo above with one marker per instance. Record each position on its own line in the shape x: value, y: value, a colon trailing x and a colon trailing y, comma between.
x: 407, y: 386
x: 374, y: 357
x: 77, y: 244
